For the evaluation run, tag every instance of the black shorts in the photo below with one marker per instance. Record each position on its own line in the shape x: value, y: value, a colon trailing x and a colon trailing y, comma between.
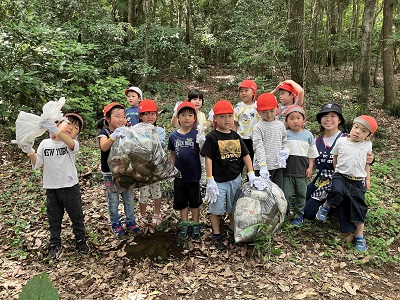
x: 186, y: 194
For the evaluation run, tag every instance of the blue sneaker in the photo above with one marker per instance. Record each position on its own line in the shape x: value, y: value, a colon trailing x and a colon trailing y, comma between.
x: 132, y: 226
x: 117, y: 229
x: 298, y: 221
x: 322, y: 213
x: 361, y: 245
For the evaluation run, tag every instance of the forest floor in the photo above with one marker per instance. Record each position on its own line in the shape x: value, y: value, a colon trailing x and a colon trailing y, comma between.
x: 313, y: 262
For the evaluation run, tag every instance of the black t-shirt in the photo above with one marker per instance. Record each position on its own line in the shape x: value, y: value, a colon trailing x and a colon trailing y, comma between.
x: 226, y: 151
x: 104, y: 154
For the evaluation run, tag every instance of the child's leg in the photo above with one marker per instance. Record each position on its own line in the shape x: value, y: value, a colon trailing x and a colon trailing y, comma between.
x: 55, y: 213
x: 184, y: 214
x: 73, y: 205
x: 129, y: 206
x: 143, y: 199
x: 215, y: 224
x: 195, y: 215
x: 156, y: 192
x: 113, y: 199
x: 288, y: 190
x: 300, y: 187
x: 359, y: 229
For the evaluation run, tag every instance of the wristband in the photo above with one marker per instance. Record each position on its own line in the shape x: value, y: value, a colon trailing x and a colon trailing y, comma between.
x: 250, y: 172
x: 110, y: 138
x: 30, y: 154
x: 211, y: 177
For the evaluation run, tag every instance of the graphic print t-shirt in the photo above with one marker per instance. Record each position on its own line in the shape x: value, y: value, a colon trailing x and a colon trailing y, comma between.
x: 226, y: 151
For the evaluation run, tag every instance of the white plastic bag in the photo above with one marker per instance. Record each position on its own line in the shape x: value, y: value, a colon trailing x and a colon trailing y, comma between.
x: 258, y: 207
x: 27, y: 125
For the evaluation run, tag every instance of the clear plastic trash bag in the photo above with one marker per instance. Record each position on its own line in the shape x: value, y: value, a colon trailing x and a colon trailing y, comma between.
x: 27, y: 125
x: 258, y: 207
x: 137, y: 159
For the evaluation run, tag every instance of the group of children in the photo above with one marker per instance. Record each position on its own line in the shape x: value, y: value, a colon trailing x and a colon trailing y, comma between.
x: 267, y: 137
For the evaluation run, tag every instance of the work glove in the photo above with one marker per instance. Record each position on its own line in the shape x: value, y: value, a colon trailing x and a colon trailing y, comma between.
x: 200, y: 137
x: 261, y: 183
x: 282, y: 157
x: 264, y: 173
x: 212, y: 191
x: 51, y: 127
x: 176, y: 108
x: 119, y: 132
x: 25, y: 148
x: 251, y: 176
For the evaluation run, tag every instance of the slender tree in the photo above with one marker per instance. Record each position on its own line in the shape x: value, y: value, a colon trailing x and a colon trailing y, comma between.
x: 365, y: 60
x: 296, y: 40
x: 387, y: 55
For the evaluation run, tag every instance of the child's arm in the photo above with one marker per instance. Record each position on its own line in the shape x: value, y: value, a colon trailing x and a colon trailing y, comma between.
x: 368, y: 178
x: 105, y: 143
x: 208, y: 165
x: 299, y: 90
x: 248, y: 163
x: 310, y: 168
x: 67, y: 140
x: 174, y: 121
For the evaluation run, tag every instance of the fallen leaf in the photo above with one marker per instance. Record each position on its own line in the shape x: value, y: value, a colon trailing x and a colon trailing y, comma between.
x: 351, y: 290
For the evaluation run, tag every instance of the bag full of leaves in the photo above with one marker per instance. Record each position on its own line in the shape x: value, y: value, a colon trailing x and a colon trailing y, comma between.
x: 138, y: 159
x: 267, y: 207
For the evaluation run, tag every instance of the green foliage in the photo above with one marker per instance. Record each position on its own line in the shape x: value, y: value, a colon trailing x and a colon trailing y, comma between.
x: 39, y: 287
x: 263, y: 243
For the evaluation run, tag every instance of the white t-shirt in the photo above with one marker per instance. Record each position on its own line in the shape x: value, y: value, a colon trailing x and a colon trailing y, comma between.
x: 58, y: 161
x: 352, y: 157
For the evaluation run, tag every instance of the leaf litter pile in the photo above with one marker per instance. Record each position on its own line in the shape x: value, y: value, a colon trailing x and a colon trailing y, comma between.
x: 312, y: 262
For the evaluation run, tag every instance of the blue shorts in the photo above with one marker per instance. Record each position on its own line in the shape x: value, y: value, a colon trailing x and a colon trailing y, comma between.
x: 229, y: 192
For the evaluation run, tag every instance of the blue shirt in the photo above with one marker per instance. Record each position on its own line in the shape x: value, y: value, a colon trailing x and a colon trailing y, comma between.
x: 132, y: 115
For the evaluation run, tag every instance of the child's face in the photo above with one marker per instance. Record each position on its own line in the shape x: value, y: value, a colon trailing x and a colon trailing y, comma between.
x: 286, y: 97
x: 295, y: 121
x: 224, y: 122
x: 246, y: 95
x: 117, y: 118
x: 267, y: 115
x: 69, y: 128
x: 197, y: 102
x: 149, y: 117
x: 132, y: 98
x: 359, y: 133
x: 330, y: 121
x: 186, y: 119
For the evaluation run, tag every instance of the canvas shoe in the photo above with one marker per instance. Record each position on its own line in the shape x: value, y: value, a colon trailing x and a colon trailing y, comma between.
x: 218, y: 242
x: 297, y: 221
x: 82, y: 247
x: 196, y: 231
x: 183, y: 233
x: 117, y: 229
x: 132, y: 226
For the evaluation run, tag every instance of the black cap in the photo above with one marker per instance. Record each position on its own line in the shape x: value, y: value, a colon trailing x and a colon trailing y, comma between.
x: 330, y: 107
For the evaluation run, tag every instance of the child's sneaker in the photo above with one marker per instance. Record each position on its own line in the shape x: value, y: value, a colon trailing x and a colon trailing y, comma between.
x: 82, y: 247
x: 132, y: 226
x: 361, y: 245
x: 218, y: 241
x: 298, y: 221
x: 156, y: 220
x: 196, y: 231
x: 55, y: 251
x: 117, y: 229
x: 183, y: 233
x: 322, y: 213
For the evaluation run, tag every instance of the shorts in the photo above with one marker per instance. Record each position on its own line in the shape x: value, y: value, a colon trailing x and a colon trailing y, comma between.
x: 150, y: 192
x: 186, y: 194
x: 229, y: 192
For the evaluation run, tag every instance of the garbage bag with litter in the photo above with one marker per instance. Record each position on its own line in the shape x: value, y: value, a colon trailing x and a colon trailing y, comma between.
x: 137, y: 159
x: 255, y: 206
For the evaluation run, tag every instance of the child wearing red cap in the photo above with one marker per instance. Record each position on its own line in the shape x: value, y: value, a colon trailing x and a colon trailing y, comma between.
x: 270, y: 141
x: 351, y: 170
x: 133, y: 96
x: 148, y: 113
x: 300, y: 163
x: 290, y: 93
x: 185, y: 157
x: 225, y: 153
x: 245, y: 113
x: 112, y: 127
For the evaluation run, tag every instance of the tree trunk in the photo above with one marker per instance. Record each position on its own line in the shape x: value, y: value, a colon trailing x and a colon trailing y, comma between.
x: 187, y: 31
x: 131, y: 17
x: 387, y: 55
x: 365, y: 58
x: 377, y: 60
x: 356, y: 61
x: 296, y: 40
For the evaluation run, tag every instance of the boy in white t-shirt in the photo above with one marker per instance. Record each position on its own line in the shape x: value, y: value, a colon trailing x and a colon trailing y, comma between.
x: 351, y: 170
x: 60, y: 179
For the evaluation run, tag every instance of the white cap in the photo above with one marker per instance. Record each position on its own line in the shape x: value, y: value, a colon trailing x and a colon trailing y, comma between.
x: 134, y: 89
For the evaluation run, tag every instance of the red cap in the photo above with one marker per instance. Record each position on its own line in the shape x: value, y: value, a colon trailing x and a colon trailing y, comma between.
x: 293, y: 108
x: 147, y: 105
x: 76, y: 115
x: 249, y: 84
x: 223, y: 107
x: 288, y: 87
x: 266, y: 101
x: 110, y: 106
x: 368, y: 122
x: 185, y: 104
